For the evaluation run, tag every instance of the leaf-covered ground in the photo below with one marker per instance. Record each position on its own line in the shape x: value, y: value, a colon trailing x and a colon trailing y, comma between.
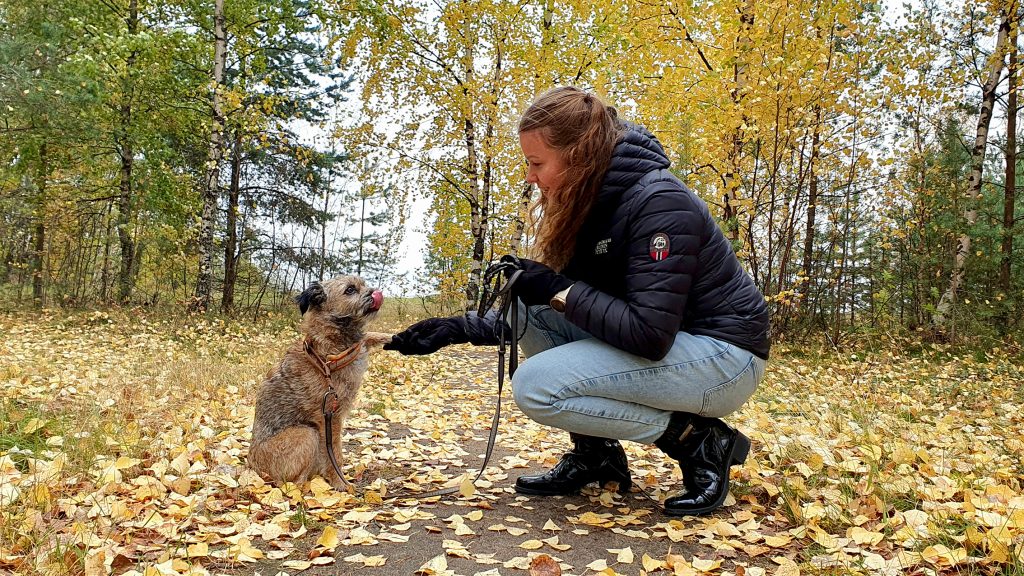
x: 122, y: 446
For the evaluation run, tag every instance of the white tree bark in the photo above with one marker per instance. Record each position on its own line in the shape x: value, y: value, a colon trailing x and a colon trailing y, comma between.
x: 211, y: 186
x: 940, y: 318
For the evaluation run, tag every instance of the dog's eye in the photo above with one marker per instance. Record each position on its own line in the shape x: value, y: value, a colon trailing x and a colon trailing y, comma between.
x: 350, y: 290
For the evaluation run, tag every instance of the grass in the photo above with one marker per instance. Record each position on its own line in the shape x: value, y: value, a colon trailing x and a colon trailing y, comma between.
x: 146, y: 376
x: 96, y: 386
x: 28, y: 436
x: 303, y: 519
x: 22, y: 431
x: 377, y: 408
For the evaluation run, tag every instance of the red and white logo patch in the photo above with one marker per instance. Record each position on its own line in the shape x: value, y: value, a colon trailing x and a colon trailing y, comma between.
x: 659, y: 247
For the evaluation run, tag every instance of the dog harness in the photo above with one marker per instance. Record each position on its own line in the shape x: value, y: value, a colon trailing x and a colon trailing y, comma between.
x: 331, y: 404
x: 328, y: 365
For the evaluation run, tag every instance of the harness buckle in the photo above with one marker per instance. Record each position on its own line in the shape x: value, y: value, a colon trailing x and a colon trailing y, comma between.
x: 335, y: 404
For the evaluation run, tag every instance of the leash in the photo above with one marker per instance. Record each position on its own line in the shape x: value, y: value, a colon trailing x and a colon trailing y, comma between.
x: 328, y: 418
x: 493, y: 291
x: 504, y: 266
x: 327, y: 366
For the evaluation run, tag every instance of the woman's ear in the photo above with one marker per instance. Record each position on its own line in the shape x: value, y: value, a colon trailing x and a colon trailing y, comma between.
x: 313, y: 295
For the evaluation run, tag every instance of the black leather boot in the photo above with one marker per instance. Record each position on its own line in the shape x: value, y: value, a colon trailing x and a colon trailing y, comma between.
x: 705, y: 449
x: 592, y: 459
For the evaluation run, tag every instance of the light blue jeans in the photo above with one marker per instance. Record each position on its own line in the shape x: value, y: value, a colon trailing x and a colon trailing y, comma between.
x: 578, y: 383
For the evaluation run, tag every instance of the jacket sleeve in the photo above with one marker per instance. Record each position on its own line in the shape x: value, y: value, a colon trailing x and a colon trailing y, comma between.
x: 484, y: 330
x: 646, y: 320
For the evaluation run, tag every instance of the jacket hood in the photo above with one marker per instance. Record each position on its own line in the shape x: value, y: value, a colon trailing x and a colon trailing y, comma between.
x: 637, y: 153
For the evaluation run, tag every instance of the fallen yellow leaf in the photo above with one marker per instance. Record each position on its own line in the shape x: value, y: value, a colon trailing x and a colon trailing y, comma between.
x: 622, y: 555
x: 466, y: 486
x: 329, y: 538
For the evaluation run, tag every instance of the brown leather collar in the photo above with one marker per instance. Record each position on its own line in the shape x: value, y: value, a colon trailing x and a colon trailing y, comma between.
x: 333, y: 362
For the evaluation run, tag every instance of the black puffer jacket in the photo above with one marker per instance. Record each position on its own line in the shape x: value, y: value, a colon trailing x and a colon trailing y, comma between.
x: 650, y: 262
x: 637, y: 294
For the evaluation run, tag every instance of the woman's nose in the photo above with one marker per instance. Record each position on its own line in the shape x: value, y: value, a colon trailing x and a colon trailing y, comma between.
x: 531, y: 178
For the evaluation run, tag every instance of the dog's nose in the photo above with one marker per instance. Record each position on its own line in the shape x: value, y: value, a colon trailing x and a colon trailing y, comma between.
x: 378, y: 299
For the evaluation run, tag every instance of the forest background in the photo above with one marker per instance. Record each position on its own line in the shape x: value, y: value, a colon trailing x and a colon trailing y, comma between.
x: 172, y: 172
x: 219, y: 155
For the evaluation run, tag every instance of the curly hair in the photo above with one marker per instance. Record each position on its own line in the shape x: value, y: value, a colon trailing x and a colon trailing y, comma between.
x: 584, y: 131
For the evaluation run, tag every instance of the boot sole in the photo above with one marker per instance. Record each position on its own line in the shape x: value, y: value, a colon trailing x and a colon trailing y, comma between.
x: 624, y: 487
x: 738, y: 451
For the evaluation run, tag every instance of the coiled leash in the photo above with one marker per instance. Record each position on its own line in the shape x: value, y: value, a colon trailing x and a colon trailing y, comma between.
x: 510, y: 265
x: 326, y: 366
x: 493, y: 292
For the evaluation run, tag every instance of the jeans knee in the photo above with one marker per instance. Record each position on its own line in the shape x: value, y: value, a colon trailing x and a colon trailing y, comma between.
x: 530, y: 394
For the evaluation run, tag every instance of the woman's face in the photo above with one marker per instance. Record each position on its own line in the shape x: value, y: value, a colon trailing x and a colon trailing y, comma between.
x: 545, y: 166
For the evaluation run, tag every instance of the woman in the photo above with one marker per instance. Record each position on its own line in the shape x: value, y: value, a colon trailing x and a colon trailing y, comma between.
x: 641, y: 323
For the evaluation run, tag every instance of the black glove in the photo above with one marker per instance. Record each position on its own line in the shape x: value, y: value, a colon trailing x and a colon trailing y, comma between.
x: 430, y: 335
x: 538, y: 283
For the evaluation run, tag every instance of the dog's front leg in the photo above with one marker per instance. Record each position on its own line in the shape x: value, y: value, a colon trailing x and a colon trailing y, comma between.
x: 373, y: 341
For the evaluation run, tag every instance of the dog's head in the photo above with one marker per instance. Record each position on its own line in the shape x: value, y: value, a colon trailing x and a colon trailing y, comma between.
x: 340, y: 306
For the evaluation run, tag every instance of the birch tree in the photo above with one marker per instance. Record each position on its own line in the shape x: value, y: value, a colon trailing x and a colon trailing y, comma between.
x: 441, y: 74
x: 994, y: 69
x: 1010, y: 180
x: 215, y: 151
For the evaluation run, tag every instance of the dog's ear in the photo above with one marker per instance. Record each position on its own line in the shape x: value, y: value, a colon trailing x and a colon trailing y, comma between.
x: 313, y: 295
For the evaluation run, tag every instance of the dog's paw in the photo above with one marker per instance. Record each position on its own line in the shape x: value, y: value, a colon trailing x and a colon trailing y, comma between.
x: 375, y: 340
x: 342, y: 485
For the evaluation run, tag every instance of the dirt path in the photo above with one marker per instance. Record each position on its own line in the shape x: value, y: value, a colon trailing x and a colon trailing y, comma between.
x: 440, y: 431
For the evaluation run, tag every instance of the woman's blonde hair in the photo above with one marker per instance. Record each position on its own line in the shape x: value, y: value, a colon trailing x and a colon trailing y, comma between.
x: 584, y: 131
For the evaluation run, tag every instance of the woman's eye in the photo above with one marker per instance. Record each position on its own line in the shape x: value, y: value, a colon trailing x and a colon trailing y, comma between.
x: 350, y: 290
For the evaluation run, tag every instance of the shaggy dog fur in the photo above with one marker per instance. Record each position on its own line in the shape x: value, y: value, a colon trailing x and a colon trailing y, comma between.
x: 288, y: 438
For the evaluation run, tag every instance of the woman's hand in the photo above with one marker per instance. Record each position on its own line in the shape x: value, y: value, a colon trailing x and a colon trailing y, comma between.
x: 538, y: 283
x: 430, y: 335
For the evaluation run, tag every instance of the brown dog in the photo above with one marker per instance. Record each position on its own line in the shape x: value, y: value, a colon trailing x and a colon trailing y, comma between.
x: 321, y: 372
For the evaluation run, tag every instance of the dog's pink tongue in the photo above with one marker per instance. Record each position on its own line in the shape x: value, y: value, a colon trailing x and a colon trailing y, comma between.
x: 378, y: 299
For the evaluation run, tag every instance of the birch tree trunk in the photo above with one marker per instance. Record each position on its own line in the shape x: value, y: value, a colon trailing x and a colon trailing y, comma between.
x: 1010, y: 193
x: 39, y: 232
x: 541, y: 82
x: 733, y: 180
x: 478, y: 203
x: 211, y: 190
x: 521, y: 215
x: 227, y: 299
x: 812, y: 210
x: 126, y: 151
x: 940, y: 318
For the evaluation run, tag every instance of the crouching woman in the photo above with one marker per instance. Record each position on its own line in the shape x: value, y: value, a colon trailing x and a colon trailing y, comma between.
x: 641, y: 323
